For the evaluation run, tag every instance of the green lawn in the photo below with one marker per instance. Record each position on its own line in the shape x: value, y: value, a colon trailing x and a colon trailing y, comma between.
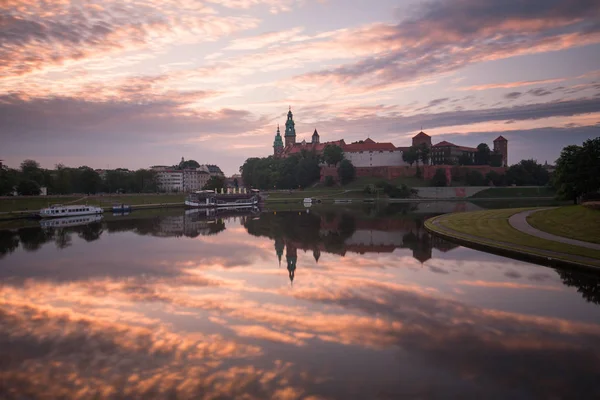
x: 108, y: 200
x: 514, y: 192
x: 575, y: 222
x: 32, y: 203
x: 492, y: 226
x: 36, y: 203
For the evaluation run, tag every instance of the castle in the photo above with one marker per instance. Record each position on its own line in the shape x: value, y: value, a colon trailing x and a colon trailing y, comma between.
x: 368, y: 153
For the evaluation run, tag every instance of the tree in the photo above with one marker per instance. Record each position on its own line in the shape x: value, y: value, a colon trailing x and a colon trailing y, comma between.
x: 578, y: 170
x: 30, y: 170
x: 333, y: 154
x: 495, y: 159
x: 527, y: 172
x: 329, y: 181
x: 410, y: 156
x: 465, y: 159
x: 423, y: 153
x: 395, y: 192
x: 475, y: 178
x: 439, y: 178
x: 215, y: 182
x: 189, y: 164
x: 8, y: 181
x: 495, y: 178
x: 482, y: 156
x: 236, y: 183
x: 346, y: 172
x: 89, y: 180
x: 28, y: 187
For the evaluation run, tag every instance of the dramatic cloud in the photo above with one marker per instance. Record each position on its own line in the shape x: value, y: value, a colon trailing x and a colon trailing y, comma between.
x: 174, y: 78
x: 445, y: 36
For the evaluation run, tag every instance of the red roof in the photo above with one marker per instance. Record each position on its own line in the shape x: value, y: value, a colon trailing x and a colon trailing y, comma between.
x: 465, y: 148
x: 421, y: 134
x: 368, y: 145
x: 500, y: 139
x: 444, y: 144
x: 309, y: 146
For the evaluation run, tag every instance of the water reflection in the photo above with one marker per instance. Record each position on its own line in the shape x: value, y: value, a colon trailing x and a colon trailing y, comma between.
x: 186, y: 305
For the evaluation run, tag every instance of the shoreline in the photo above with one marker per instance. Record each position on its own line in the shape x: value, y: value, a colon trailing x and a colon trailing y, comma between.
x: 518, y: 251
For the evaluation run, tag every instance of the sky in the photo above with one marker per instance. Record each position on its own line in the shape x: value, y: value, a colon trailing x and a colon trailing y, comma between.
x: 135, y: 83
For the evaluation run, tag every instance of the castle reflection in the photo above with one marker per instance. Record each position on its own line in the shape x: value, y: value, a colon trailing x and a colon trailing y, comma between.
x: 342, y: 232
x: 338, y: 231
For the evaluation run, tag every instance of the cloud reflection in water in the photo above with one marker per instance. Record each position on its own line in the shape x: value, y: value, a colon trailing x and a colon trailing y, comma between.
x: 144, y: 313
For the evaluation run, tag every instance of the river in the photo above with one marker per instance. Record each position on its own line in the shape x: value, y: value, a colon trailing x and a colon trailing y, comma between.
x: 333, y: 302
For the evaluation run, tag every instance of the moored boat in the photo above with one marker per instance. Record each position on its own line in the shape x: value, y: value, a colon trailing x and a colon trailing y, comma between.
x: 210, y: 199
x: 121, y: 208
x: 72, y: 210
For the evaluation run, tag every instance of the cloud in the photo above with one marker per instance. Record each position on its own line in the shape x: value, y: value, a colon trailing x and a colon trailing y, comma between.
x: 539, y: 92
x: 67, y: 118
x: 513, y: 95
x: 61, y: 34
x: 445, y: 36
x: 509, y: 85
x: 264, y: 40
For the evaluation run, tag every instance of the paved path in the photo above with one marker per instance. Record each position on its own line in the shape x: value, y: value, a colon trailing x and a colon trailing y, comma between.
x: 519, y: 222
x: 518, y: 248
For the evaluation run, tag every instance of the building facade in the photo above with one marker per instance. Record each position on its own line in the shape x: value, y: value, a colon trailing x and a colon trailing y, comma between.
x: 195, y: 179
x: 169, y: 180
x: 368, y: 153
x: 446, y: 153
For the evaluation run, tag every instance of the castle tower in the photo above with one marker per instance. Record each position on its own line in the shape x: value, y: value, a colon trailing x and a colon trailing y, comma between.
x: 420, y: 138
x: 279, y: 247
x: 290, y: 129
x: 277, y: 144
x: 501, y: 146
x: 291, y: 257
x: 315, y: 137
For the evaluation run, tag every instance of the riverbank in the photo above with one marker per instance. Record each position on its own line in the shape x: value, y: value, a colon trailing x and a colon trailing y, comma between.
x: 490, y: 230
x: 25, y: 207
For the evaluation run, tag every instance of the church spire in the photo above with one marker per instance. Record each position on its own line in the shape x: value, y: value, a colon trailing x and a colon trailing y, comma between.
x: 277, y: 144
x: 290, y: 129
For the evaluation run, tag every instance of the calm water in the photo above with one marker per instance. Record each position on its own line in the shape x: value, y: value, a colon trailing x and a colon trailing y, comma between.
x: 326, y: 304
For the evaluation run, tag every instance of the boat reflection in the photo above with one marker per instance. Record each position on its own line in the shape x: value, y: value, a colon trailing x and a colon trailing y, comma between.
x: 69, y: 222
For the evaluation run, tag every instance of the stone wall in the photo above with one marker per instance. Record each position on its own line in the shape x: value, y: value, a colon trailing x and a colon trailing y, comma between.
x: 427, y: 171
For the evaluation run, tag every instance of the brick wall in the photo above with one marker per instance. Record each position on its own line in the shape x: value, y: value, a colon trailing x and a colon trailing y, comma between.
x: 427, y: 171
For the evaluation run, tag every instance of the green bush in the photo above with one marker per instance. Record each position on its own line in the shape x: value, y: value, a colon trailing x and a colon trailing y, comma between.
x: 329, y: 181
x: 475, y: 178
x: 346, y: 172
x: 439, y: 179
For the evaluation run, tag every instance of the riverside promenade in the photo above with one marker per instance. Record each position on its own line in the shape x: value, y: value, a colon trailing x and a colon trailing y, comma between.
x: 507, y: 232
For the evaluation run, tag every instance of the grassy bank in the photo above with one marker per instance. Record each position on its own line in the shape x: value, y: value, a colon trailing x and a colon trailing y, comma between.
x: 491, y: 228
x: 575, y: 222
x: 514, y: 192
x: 18, y: 204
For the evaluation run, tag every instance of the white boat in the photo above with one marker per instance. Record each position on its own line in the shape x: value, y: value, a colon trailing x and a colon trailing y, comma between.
x: 73, y: 210
x: 68, y: 222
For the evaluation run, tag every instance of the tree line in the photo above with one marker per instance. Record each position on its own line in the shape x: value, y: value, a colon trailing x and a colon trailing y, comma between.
x: 29, y: 178
x: 296, y: 171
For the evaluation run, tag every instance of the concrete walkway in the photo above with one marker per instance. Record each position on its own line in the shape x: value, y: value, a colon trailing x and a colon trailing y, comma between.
x: 519, y: 222
x: 544, y: 255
